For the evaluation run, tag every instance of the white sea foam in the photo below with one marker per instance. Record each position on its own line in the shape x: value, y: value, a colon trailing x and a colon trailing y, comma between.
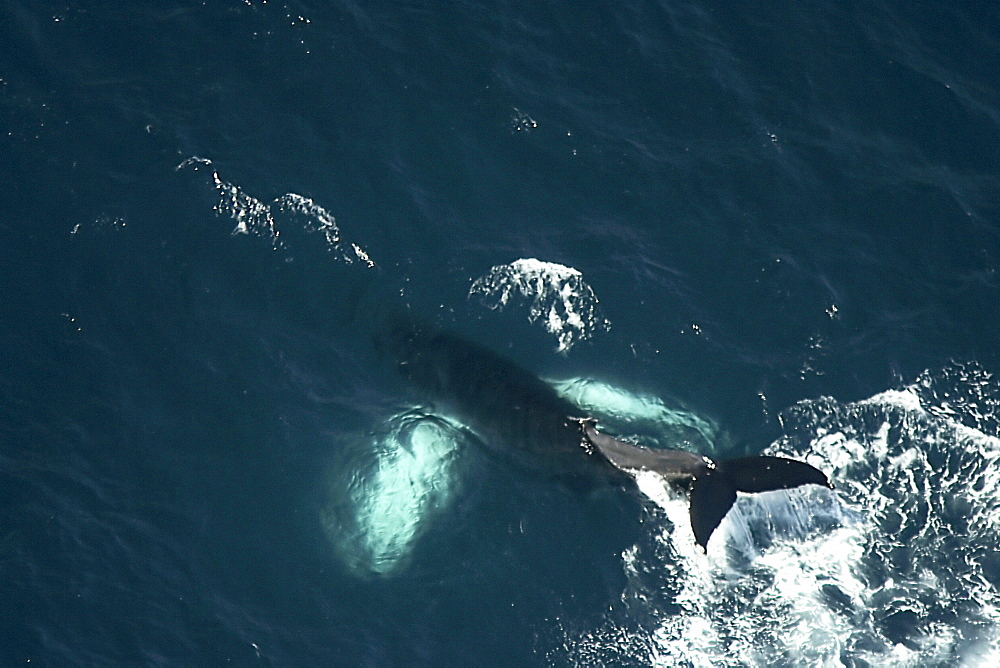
x: 556, y: 295
x: 255, y: 217
x: 897, y: 567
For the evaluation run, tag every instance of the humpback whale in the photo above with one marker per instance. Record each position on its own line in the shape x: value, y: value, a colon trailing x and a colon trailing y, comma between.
x: 522, y: 418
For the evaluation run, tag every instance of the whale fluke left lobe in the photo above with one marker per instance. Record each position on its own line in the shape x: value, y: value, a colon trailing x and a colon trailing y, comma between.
x: 714, y: 492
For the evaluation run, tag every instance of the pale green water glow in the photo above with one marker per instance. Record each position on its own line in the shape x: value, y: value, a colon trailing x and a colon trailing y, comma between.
x: 631, y: 410
x: 391, y: 501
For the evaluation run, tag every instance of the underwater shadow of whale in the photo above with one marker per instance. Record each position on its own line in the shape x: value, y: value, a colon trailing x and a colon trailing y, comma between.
x: 520, y: 417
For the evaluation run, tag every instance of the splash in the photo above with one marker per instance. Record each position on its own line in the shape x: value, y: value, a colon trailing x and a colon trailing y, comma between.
x: 897, y: 567
x: 555, y: 294
x: 268, y: 220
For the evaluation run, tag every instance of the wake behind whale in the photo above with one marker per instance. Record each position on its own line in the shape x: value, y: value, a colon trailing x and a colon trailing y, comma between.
x: 519, y: 417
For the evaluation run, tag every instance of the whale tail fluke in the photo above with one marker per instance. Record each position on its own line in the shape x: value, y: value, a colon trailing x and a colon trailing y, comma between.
x: 713, y: 484
x: 713, y: 493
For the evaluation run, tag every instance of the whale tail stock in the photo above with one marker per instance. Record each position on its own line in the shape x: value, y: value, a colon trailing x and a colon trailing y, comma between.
x: 713, y: 485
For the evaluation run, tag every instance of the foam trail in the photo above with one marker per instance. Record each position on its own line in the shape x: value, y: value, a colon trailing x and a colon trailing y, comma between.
x: 556, y: 295
x: 291, y: 211
x: 898, y: 567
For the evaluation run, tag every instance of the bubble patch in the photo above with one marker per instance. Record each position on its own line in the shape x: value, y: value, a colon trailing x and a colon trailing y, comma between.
x: 556, y: 295
x: 290, y: 211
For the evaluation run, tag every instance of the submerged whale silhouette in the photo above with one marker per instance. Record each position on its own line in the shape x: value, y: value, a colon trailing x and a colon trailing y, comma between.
x: 519, y: 416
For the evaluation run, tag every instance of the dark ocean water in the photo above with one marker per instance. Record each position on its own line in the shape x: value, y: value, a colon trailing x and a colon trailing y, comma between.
x: 733, y: 226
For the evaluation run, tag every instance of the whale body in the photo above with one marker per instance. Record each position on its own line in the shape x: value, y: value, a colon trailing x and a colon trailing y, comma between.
x: 520, y: 417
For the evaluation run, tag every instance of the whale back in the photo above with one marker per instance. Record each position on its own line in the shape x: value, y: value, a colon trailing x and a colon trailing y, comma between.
x: 515, y: 414
x: 521, y: 418
x: 670, y: 464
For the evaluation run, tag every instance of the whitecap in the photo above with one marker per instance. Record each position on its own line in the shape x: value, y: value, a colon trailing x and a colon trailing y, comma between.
x: 254, y: 217
x: 556, y: 296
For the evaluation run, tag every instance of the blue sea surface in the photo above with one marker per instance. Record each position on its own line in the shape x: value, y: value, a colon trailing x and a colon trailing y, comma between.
x: 728, y: 227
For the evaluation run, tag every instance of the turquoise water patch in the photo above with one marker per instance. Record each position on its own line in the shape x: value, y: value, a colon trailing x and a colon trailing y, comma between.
x: 646, y: 415
x: 407, y: 477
